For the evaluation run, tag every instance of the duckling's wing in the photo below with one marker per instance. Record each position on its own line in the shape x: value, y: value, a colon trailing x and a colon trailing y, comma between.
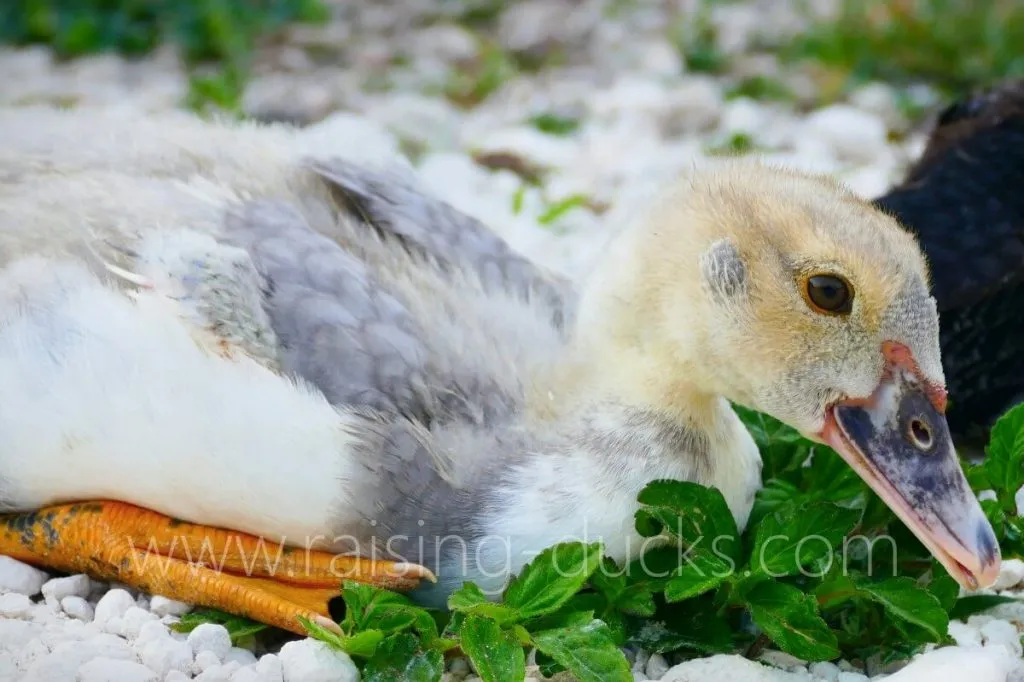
x: 367, y: 336
x: 390, y: 200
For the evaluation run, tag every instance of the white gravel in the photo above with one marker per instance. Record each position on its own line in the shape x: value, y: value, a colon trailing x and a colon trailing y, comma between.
x: 641, y: 119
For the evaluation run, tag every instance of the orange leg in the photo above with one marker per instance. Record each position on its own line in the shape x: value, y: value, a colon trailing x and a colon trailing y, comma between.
x: 227, y: 570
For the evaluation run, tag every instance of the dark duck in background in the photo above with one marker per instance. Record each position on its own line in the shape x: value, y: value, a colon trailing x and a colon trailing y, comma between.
x: 965, y: 201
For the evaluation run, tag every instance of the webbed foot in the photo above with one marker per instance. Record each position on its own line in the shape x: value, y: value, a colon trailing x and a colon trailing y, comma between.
x: 234, y: 572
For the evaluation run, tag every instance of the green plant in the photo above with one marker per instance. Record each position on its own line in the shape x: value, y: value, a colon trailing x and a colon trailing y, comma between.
x: 734, y: 144
x: 553, y: 124
x: 696, y: 38
x: 812, y: 571
x: 243, y: 631
x: 1003, y: 473
x: 473, y: 83
x: 954, y: 44
x: 222, y: 33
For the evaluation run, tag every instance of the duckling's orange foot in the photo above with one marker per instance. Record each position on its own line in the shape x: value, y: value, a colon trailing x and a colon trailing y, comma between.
x: 234, y: 572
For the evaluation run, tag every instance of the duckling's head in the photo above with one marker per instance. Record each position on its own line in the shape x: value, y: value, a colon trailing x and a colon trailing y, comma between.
x: 787, y: 294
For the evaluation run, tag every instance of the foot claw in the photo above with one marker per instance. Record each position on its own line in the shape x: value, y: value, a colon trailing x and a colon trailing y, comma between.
x: 409, y: 570
x: 327, y: 624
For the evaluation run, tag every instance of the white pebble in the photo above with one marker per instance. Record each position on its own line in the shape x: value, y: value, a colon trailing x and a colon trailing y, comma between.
x: 70, y: 586
x: 114, y: 670
x: 270, y: 669
x: 999, y: 632
x: 824, y: 671
x: 165, y: 655
x: 642, y: 658
x: 216, y: 673
x: 206, y: 659
x: 15, y: 605
x: 780, y: 659
x: 308, y: 660
x: 77, y: 607
x: 964, y: 634
x: 31, y: 652
x: 16, y: 634
x: 133, y: 620
x: 852, y: 134
x: 114, y: 604
x: 744, y: 115
x: 162, y: 606
x: 151, y: 631
x: 8, y: 668
x: 459, y: 667
x: 989, y: 664
x: 240, y: 656
x: 1011, y: 574
x: 852, y: 677
x: 21, y: 578
x: 730, y: 667
x: 64, y: 660
x: 177, y: 676
x: 656, y: 667
x: 211, y: 637
x: 246, y: 674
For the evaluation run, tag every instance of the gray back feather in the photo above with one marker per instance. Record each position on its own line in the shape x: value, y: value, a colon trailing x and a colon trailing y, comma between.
x: 389, y: 200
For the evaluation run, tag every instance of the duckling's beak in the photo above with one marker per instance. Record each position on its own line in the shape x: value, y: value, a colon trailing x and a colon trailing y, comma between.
x: 898, y: 442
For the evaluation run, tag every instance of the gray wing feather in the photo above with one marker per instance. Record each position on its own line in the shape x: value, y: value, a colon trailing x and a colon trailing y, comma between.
x: 338, y: 328
x: 390, y: 201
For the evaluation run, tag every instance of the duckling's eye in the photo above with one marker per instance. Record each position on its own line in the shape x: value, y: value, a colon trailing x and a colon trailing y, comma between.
x: 830, y: 294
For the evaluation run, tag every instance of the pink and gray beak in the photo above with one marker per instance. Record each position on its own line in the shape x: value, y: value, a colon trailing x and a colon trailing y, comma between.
x: 899, y: 443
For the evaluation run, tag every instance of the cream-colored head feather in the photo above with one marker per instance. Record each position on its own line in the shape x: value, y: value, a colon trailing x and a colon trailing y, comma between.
x: 706, y: 295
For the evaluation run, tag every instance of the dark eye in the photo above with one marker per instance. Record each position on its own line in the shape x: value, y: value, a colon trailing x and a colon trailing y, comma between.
x: 830, y: 294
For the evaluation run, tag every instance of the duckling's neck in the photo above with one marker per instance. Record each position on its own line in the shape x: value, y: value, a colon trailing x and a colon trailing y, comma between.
x: 634, y: 346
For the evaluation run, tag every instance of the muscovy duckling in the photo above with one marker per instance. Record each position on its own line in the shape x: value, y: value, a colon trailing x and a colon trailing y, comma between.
x: 172, y: 288
x: 963, y: 200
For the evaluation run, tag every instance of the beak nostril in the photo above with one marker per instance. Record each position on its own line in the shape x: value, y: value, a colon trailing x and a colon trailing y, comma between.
x: 920, y: 434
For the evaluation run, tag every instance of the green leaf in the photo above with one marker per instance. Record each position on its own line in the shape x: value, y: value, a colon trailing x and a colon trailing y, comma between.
x: 834, y: 591
x: 830, y: 478
x: 399, y: 659
x: 371, y: 608
x: 965, y: 607
x: 551, y: 579
x: 943, y: 587
x: 701, y: 573
x: 775, y: 493
x: 496, y: 655
x: 471, y: 599
x: 363, y: 644
x: 904, y: 599
x: 783, y: 449
x: 977, y: 478
x: 1004, y: 456
x: 695, y: 625
x: 553, y: 124
x: 790, y: 619
x: 697, y: 516
x: 238, y: 627
x: 467, y: 597
x: 560, y: 208
x: 613, y: 582
x: 588, y: 652
x: 794, y: 536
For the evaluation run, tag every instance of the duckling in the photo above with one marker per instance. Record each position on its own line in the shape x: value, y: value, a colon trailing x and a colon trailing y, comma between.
x: 411, y: 417
x: 962, y: 200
